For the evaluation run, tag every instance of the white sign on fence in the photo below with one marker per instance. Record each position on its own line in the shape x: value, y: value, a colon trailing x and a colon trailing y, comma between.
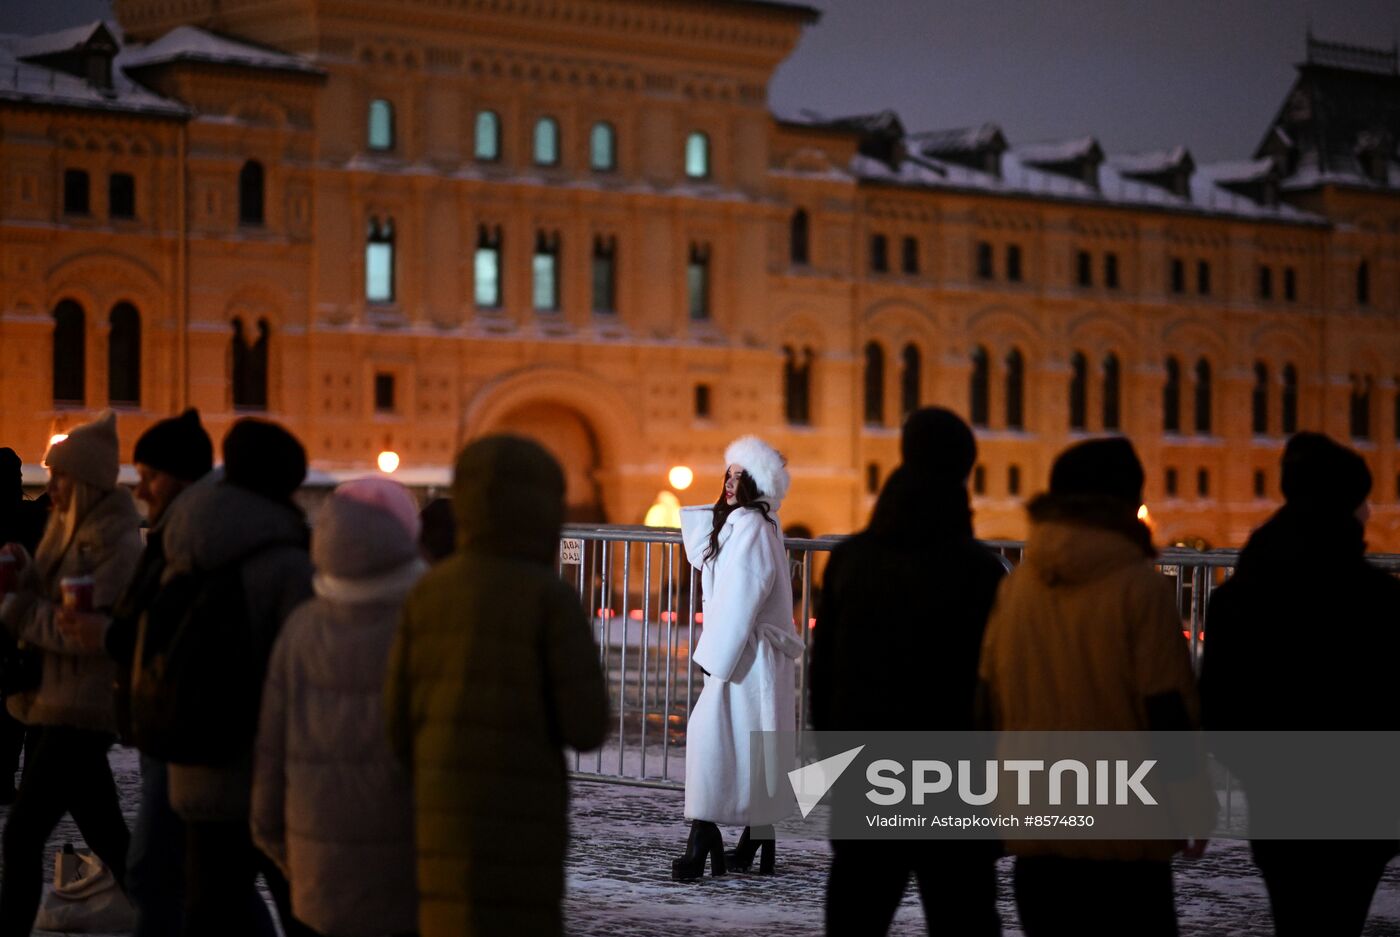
x: 571, y: 552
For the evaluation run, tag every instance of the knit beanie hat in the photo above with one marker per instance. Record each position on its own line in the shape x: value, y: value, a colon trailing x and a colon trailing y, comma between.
x: 366, y: 528
x: 89, y: 454
x: 938, y: 442
x: 11, y: 473
x: 264, y: 458
x: 1107, y: 467
x: 178, y: 446
x: 765, y: 465
x: 1318, y: 472
x: 387, y: 495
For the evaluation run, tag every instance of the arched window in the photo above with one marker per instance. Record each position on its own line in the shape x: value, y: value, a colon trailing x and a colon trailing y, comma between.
x: 69, y: 353
x: 797, y: 386
x: 250, y: 193
x: 910, y: 380
x: 1363, y: 284
x: 602, y: 147
x: 1078, y: 391
x: 486, y: 266
x: 1015, y: 390
x: 545, y: 271
x: 874, y: 385
x: 380, y: 135
x: 249, y: 366
x: 697, y: 156
x: 979, y: 389
x: 1171, y: 398
x: 1112, y: 393
x: 697, y: 282
x: 487, y: 141
x: 798, y: 237
x: 124, y: 356
x: 1259, y: 400
x: 1289, y: 408
x: 1203, y: 397
x: 546, y: 142
x: 1361, y: 406
x: 379, y: 261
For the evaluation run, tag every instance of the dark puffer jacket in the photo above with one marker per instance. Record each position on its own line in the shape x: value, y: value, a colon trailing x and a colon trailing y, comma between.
x: 493, y: 673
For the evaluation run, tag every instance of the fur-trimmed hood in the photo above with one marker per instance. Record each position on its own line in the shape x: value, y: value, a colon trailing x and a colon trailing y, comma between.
x: 764, y: 464
x: 1078, y: 538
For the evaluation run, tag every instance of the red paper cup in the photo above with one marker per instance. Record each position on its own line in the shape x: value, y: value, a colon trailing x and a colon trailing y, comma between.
x: 77, y: 592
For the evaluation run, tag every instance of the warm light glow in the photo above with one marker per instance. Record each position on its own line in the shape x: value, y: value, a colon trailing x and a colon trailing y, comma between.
x: 1143, y: 515
x: 680, y: 477
x: 388, y: 461
x: 57, y: 438
x: 666, y: 512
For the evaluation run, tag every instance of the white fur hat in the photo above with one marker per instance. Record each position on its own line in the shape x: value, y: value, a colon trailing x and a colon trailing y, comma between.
x: 764, y: 464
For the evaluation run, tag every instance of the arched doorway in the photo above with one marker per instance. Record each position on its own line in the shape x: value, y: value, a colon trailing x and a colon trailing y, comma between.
x: 569, y: 437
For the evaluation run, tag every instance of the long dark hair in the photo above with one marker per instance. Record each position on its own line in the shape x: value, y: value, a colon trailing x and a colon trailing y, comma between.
x: 746, y: 495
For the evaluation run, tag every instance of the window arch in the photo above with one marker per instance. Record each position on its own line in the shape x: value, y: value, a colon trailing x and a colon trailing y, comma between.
x: 249, y: 365
x: 697, y: 155
x: 798, y: 237
x: 874, y: 384
x: 1015, y: 390
x: 602, y: 147
x: 1259, y: 400
x: 69, y: 353
x: 546, y: 142
x: 251, y: 193
x: 124, y: 355
x: 1112, y: 392
x: 797, y: 385
x: 379, y: 261
x: 1078, y: 391
x: 979, y: 390
x: 1361, y: 406
x: 1289, y: 403
x: 1171, y: 397
x: 380, y: 135
x: 1203, y: 397
x: 910, y: 380
x: 486, y: 144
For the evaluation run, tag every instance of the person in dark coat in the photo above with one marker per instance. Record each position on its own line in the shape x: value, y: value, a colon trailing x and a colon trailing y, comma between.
x: 896, y: 645
x: 21, y: 521
x: 1269, y: 667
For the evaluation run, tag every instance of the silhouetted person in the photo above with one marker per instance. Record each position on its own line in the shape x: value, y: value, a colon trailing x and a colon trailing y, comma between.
x: 21, y: 521
x: 439, y: 534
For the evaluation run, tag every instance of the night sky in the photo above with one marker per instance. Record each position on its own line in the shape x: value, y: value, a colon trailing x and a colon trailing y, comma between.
x: 1138, y: 74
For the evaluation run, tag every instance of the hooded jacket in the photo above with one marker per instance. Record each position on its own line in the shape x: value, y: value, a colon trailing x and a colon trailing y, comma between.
x: 331, y: 803
x: 76, y: 688
x: 210, y: 525
x: 493, y: 672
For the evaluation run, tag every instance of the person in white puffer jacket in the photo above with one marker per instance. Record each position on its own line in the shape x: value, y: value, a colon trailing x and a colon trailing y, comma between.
x: 747, y: 650
x: 331, y: 804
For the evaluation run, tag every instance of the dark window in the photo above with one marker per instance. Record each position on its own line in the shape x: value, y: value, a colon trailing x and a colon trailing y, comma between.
x: 1171, y: 482
x: 1360, y: 406
x: 1266, y: 282
x: 1013, y: 479
x: 1289, y: 408
x: 984, y: 261
x: 1261, y: 483
x: 602, y: 147
x: 697, y: 156
x: 797, y: 386
x: 1110, y: 270
x: 798, y: 236
x: 697, y: 282
x: 1015, y: 390
x: 1078, y: 391
x: 909, y: 255
x: 250, y: 366
x: 604, y: 274
x: 1363, y: 283
x: 1112, y: 393
x: 486, y: 145
x: 69, y: 353
x: 1397, y: 413
x: 1171, y: 398
x: 979, y: 480
x: 544, y: 272
x: 381, y: 125
x: 1203, y: 398
x: 384, y: 393
x: 879, y: 254
x: 250, y: 193
x: 874, y: 385
x: 1084, y: 265
x: 488, y: 284
x: 379, y: 261
x: 1013, y: 263
x: 1259, y: 400
x: 1203, y: 482
x: 121, y: 195
x: 1203, y: 277
x: 910, y: 379
x: 1178, y: 275
x: 872, y: 479
x: 979, y: 390
x: 124, y: 356
x: 1290, y: 285
x: 546, y: 149
x: 75, y: 192
x: 702, y: 401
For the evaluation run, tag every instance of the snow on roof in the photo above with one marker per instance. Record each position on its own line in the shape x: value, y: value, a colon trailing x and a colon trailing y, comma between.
x: 1059, y: 151
x: 190, y: 43
x: 960, y: 140
x: 36, y: 84
x: 1240, y: 170
x: 64, y: 40
x: 1151, y: 163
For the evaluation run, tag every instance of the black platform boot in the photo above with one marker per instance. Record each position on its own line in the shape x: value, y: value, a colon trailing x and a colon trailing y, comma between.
x: 705, y: 840
x: 740, y: 858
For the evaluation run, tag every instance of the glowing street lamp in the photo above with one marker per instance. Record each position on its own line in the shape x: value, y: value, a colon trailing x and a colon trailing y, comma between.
x: 54, y: 440
x: 388, y: 461
x: 680, y: 477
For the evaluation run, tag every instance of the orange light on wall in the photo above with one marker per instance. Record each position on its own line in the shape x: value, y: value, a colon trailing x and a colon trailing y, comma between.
x: 388, y: 461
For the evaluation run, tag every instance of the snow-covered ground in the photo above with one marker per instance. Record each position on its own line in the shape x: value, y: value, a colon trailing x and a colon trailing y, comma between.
x: 624, y: 838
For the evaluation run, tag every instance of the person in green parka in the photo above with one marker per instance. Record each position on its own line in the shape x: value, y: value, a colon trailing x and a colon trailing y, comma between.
x: 493, y: 673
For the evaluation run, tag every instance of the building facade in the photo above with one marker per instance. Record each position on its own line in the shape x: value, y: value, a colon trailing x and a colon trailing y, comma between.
x: 399, y: 226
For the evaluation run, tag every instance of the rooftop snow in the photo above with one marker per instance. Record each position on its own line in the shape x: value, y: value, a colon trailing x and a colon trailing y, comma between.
x: 1151, y: 163
x: 23, y: 81
x: 1059, y: 151
x: 190, y: 43
x: 960, y: 140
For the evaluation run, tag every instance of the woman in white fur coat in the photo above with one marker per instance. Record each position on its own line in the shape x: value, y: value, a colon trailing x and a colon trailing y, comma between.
x: 746, y: 649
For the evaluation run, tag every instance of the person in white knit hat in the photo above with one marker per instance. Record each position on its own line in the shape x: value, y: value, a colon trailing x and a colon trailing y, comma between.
x: 746, y: 650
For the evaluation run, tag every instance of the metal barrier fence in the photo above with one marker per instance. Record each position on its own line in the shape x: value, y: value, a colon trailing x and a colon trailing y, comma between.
x: 644, y: 600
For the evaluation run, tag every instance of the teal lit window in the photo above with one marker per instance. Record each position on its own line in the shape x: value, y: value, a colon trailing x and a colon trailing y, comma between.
x: 379, y: 261
x: 546, y: 142
x: 602, y: 147
x: 697, y: 156
x: 381, y: 125
x: 488, y: 136
x: 487, y: 268
x: 545, y: 272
